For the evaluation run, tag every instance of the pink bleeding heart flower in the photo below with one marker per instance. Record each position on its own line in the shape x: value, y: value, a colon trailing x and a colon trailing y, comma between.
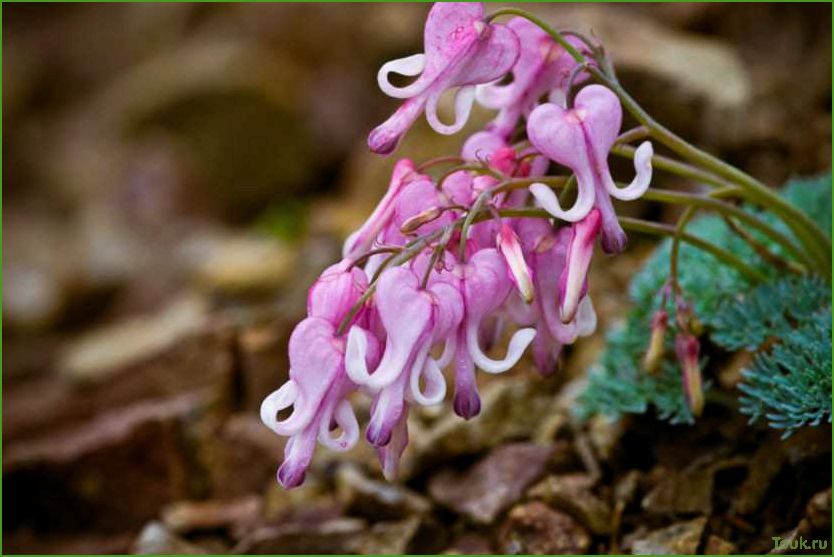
x: 414, y: 319
x: 687, y: 349
x: 485, y: 286
x: 361, y: 240
x: 418, y: 198
x: 581, y: 138
x: 461, y: 50
x: 573, y: 280
x: 317, y: 391
x: 546, y: 252
x: 332, y: 296
x: 481, y: 145
x: 543, y: 68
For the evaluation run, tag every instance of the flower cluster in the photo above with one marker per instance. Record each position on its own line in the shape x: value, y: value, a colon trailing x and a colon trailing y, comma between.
x: 444, y: 265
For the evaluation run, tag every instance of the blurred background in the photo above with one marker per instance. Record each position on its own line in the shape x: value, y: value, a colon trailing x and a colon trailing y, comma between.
x: 176, y: 175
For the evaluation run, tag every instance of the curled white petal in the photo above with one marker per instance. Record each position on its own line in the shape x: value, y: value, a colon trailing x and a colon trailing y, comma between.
x: 550, y: 203
x: 493, y: 95
x: 448, y: 352
x: 643, y: 168
x: 281, y: 399
x: 410, y: 66
x: 435, y: 382
x: 355, y: 356
x: 518, y: 343
x: 346, y: 420
x: 586, y: 318
x: 464, y: 98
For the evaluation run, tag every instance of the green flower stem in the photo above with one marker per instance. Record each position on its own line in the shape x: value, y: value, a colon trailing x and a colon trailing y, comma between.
x: 762, y: 250
x: 481, y: 169
x: 687, y: 215
x: 674, y: 167
x: 723, y: 255
x: 439, y: 160
x: 806, y: 230
x: 470, y: 218
x: 727, y: 209
x: 809, y: 234
x: 410, y: 251
x: 655, y: 229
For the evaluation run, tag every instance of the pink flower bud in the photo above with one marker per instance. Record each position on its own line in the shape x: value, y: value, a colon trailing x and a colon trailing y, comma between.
x: 510, y: 248
x: 411, y: 224
x: 654, y: 353
x: 687, y: 349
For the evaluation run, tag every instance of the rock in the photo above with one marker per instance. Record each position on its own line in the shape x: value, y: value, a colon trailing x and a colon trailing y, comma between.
x: 336, y: 536
x: 818, y: 511
x: 681, y: 538
x: 101, y: 377
x: 376, y: 500
x: 156, y: 539
x: 572, y: 494
x: 184, y: 517
x: 135, y: 454
x: 470, y: 543
x: 240, y: 265
x: 763, y: 468
x: 512, y: 408
x: 626, y: 488
x: 241, y: 443
x: 264, y: 363
x: 719, y: 546
x: 689, y: 490
x: 493, y: 484
x: 101, y: 354
x: 388, y: 538
x: 604, y: 435
x: 28, y: 542
x: 534, y: 528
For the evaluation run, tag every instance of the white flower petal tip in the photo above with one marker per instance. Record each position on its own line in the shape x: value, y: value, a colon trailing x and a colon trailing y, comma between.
x: 518, y: 344
x: 464, y: 99
x: 434, y: 381
x: 345, y: 419
x: 408, y: 66
x: 643, y: 168
x: 549, y: 202
x: 281, y: 399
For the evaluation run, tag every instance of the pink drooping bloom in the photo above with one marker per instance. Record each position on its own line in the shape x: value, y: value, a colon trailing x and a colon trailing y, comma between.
x: 414, y: 319
x: 573, y: 281
x: 485, y: 285
x: 336, y: 290
x: 361, y: 240
x: 440, y: 283
x: 318, y: 387
x: 546, y: 252
x: 461, y: 50
x: 581, y: 138
x: 543, y: 68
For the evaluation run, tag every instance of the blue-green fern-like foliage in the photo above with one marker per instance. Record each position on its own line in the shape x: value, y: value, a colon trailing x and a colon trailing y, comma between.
x: 785, y: 321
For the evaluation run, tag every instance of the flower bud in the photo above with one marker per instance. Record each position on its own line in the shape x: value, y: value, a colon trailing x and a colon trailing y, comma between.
x: 411, y: 224
x: 687, y: 348
x: 510, y: 248
x: 654, y: 353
